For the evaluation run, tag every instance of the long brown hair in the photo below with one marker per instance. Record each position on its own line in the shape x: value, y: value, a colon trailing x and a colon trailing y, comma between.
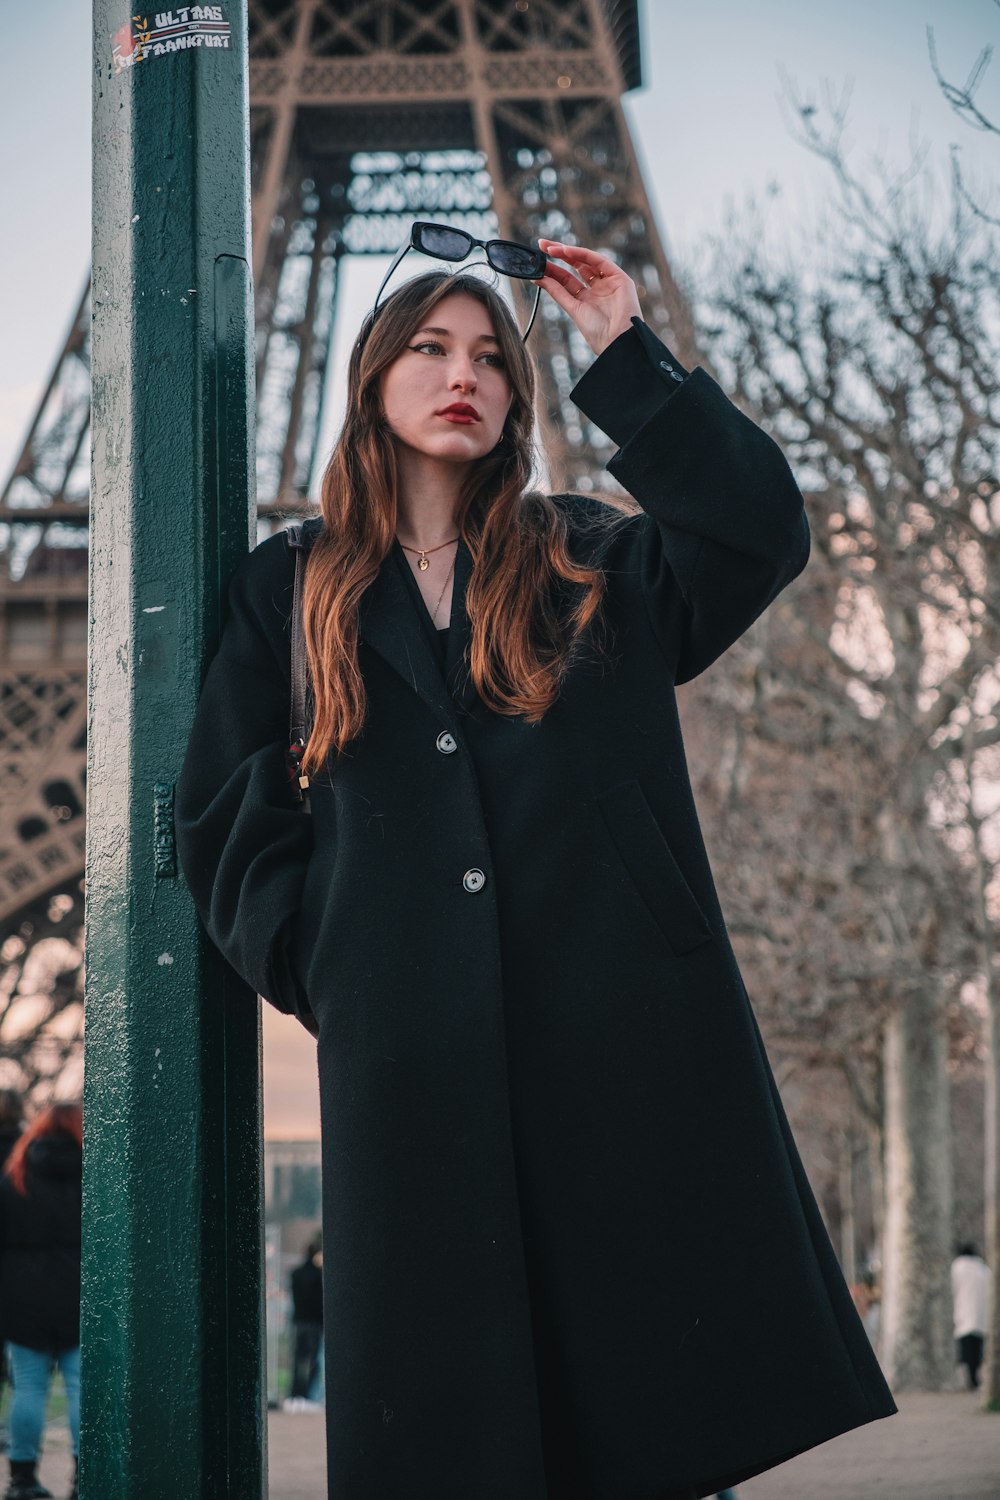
x: 58, y: 1119
x: 529, y: 603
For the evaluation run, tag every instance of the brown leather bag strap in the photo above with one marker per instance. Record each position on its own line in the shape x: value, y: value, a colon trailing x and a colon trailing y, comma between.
x: 299, y: 712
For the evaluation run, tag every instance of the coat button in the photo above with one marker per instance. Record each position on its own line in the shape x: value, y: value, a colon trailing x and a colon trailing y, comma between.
x: 473, y: 880
x: 446, y: 743
x: 670, y: 370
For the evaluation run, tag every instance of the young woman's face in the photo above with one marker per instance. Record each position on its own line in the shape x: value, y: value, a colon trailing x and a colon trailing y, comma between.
x: 447, y: 394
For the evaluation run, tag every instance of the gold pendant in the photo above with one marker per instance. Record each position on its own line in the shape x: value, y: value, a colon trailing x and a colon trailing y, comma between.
x: 424, y: 564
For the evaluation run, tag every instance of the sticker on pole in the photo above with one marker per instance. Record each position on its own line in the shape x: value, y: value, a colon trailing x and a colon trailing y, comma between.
x: 178, y: 30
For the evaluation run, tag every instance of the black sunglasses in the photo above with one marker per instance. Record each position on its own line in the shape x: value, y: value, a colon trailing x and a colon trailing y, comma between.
x: 444, y: 243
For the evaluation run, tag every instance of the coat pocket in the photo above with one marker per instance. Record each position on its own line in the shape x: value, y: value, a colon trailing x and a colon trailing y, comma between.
x: 655, y: 873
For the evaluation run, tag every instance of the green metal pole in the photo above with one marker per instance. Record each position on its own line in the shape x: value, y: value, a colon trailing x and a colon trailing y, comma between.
x: 172, y: 1329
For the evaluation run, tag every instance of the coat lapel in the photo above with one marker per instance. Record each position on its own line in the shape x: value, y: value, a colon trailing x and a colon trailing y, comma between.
x: 389, y: 622
x: 460, y: 634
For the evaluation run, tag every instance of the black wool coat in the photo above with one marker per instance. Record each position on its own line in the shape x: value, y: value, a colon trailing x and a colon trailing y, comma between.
x: 569, y: 1247
x: 40, y: 1248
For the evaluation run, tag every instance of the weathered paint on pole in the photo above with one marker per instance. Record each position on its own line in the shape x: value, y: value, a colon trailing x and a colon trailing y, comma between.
x: 173, y: 1404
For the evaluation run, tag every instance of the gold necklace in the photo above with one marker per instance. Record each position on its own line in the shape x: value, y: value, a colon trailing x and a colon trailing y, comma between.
x: 424, y: 552
x: 451, y: 573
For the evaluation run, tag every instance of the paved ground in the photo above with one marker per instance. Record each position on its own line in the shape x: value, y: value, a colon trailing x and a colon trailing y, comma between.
x: 937, y: 1448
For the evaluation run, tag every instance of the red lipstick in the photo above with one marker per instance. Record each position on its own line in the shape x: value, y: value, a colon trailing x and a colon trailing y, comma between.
x: 460, y: 411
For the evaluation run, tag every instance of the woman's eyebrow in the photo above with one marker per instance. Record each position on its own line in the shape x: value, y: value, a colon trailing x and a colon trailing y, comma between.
x: 482, y: 337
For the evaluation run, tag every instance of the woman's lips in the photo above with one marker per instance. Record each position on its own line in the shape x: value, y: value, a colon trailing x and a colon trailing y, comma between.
x: 460, y: 411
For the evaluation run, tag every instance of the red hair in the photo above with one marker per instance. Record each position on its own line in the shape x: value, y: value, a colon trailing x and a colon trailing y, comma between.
x: 58, y: 1119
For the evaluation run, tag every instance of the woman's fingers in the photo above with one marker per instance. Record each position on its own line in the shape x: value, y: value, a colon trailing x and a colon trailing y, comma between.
x: 587, y: 272
x: 588, y: 279
x: 598, y: 296
x: 587, y: 263
x: 561, y: 295
x: 563, y: 286
x: 565, y: 278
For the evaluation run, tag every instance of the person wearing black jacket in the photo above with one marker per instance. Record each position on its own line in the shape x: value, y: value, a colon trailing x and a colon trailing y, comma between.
x: 11, y: 1125
x: 40, y: 1196
x: 307, y: 1321
x: 569, y: 1249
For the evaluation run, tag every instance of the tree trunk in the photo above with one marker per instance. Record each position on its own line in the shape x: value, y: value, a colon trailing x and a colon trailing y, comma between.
x: 916, y: 1344
x: 876, y: 1173
x: 991, y: 1370
x: 870, y: 1105
x: 991, y: 1101
x: 848, y: 1234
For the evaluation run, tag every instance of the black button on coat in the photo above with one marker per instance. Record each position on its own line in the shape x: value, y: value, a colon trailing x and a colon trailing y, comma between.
x: 566, y: 1230
x: 40, y: 1248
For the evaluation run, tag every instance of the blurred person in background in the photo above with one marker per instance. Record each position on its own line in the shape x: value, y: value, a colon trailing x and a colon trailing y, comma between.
x: 307, y: 1318
x: 40, y: 1192
x: 11, y: 1125
x: 970, y: 1296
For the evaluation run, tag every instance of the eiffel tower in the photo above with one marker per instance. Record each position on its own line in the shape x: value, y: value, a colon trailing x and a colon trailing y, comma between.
x: 503, y: 117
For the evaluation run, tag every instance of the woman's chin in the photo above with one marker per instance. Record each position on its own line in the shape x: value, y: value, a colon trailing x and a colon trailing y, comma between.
x: 461, y: 447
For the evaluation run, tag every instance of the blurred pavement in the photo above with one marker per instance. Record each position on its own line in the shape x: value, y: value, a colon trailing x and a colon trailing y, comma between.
x: 941, y: 1447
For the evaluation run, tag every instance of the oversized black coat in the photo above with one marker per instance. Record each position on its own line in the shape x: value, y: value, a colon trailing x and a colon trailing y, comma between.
x: 40, y: 1248
x: 569, y: 1247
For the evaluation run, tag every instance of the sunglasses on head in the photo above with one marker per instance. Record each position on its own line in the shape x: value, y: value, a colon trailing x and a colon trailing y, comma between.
x: 444, y: 243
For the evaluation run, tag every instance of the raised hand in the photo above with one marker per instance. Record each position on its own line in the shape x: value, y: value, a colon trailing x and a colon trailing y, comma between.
x: 596, y: 294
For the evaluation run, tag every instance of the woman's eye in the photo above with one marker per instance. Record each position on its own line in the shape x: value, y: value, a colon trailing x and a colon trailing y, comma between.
x: 428, y: 344
x: 495, y: 361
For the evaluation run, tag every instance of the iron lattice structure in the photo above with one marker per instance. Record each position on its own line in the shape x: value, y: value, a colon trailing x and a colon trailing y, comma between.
x: 501, y: 116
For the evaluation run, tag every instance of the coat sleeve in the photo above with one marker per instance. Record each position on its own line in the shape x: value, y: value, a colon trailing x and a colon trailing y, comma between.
x: 724, y: 528
x: 244, y: 843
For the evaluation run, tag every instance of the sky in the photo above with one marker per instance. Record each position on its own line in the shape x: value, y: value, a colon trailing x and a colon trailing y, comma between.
x: 709, y: 128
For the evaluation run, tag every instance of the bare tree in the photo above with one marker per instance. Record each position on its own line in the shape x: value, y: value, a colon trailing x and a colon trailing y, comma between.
x: 972, y: 814
x: 873, y: 359
x: 963, y: 99
x: 41, y: 1001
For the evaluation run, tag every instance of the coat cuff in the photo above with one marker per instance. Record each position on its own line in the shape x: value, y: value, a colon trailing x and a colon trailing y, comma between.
x: 629, y: 383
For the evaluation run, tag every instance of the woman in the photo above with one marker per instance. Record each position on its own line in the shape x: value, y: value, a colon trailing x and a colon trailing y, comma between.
x: 11, y: 1125
x: 569, y: 1249
x: 40, y: 1283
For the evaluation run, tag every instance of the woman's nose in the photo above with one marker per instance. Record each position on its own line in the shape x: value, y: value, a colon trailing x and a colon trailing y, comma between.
x: 463, y: 376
